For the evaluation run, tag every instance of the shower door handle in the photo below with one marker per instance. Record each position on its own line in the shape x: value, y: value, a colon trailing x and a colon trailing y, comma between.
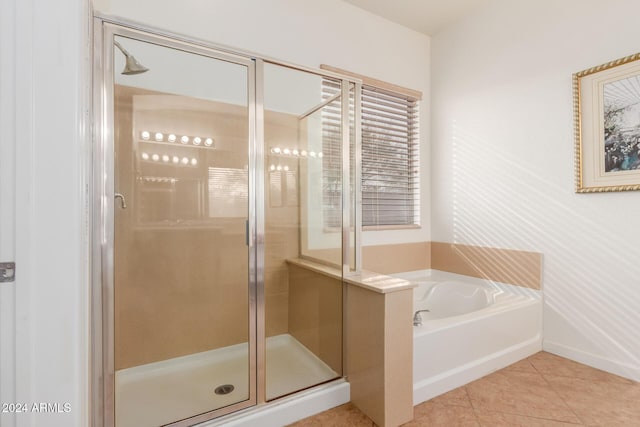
x: 123, y: 201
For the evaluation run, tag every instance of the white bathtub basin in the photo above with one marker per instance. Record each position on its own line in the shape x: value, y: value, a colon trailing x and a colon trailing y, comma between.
x: 474, y: 327
x: 452, y: 298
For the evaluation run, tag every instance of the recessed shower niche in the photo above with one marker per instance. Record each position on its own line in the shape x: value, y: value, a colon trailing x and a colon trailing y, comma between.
x: 212, y: 170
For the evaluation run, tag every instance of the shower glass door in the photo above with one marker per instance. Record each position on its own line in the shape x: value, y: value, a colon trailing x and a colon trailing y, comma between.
x: 304, y: 145
x: 183, y: 327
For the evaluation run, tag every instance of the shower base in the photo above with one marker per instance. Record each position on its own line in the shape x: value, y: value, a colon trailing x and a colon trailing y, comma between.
x: 170, y: 390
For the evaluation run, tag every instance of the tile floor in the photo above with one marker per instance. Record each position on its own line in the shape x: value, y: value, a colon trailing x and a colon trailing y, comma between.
x: 541, y: 390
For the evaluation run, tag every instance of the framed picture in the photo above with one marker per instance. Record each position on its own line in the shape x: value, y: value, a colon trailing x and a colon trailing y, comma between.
x: 606, y: 107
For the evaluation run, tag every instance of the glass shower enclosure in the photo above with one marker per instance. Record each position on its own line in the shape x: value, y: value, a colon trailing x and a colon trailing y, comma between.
x: 214, y: 172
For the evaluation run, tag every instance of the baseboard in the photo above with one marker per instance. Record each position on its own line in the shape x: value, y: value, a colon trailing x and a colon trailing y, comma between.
x: 595, y: 361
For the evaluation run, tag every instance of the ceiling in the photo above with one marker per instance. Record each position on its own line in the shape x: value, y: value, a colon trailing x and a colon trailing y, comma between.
x: 425, y: 16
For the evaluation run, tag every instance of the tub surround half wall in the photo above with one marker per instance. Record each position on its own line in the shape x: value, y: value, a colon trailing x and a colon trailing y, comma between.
x: 379, y: 338
x: 380, y: 353
x: 373, y: 281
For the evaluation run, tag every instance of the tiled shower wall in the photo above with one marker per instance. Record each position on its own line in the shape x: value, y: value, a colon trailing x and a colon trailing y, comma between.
x: 182, y: 289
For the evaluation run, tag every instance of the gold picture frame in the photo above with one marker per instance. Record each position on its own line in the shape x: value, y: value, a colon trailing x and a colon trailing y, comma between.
x: 606, y: 105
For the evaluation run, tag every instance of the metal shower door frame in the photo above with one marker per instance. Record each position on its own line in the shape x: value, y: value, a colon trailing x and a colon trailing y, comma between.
x: 103, y: 369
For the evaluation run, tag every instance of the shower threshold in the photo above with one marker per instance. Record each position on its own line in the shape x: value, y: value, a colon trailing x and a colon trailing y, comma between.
x: 170, y: 390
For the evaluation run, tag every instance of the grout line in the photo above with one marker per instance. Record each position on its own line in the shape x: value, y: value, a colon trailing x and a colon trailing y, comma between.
x: 562, y: 399
x: 537, y: 418
x: 469, y: 397
x: 473, y: 408
x: 534, y: 366
x: 548, y: 386
x: 582, y: 422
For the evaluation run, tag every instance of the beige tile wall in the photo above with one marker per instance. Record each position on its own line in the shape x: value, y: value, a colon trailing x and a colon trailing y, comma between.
x: 380, y: 354
x: 182, y: 289
x: 516, y: 267
x: 315, y: 314
x: 365, y: 356
x: 398, y: 380
x: 386, y: 259
x: 503, y: 265
x: 282, y: 219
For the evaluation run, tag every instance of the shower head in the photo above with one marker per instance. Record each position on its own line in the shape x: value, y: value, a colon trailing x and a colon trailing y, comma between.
x: 132, y: 66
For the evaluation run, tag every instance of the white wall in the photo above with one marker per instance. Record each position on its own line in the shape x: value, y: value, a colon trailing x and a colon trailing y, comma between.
x: 503, y: 164
x: 309, y: 33
x: 7, y: 203
x: 44, y: 115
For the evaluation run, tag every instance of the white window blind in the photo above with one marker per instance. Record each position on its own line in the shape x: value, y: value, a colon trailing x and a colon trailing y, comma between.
x: 332, y: 155
x: 390, y: 156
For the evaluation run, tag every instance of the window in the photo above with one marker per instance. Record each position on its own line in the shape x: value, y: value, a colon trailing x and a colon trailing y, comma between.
x: 390, y: 156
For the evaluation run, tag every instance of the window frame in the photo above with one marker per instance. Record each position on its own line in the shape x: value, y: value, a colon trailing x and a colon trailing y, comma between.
x: 387, y: 110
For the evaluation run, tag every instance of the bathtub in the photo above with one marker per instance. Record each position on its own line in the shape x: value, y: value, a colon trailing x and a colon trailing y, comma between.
x: 473, y: 327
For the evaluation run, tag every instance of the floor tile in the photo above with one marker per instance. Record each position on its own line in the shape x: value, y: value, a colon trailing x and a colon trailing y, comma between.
x: 342, y: 416
x: 519, y: 393
x: 523, y: 365
x: 500, y: 419
x: 435, y: 414
x: 550, y: 364
x: 456, y: 397
x: 542, y: 390
x: 601, y: 403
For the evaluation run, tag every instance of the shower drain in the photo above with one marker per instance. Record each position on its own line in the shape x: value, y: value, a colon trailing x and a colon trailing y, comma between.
x: 224, y: 389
